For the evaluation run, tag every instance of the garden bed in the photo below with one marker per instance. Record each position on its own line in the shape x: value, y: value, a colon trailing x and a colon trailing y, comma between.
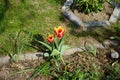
x: 83, y: 61
x: 99, y: 62
x: 96, y: 16
x: 109, y: 14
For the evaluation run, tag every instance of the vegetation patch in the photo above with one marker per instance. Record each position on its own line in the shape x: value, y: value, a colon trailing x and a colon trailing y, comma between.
x: 26, y: 25
x: 77, y: 66
x: 88, y: 6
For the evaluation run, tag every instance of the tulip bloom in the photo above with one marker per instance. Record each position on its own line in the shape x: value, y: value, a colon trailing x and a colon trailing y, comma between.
x: 50, y: 38
x: 59, y: 31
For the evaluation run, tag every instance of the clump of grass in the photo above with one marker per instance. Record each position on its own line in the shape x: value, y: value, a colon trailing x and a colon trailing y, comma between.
x: 44, y: 69
x: 90, y: 49
x: 17, y: 43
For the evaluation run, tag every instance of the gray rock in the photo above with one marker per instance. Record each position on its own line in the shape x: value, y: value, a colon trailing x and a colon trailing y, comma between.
x: 67, y: 4
x: 108, y: 43
x: 4, y: 60
x: 30, y: 56
x: 114, y: 54
x: 104, y: 23
x: 99, y: 45
x: 113, y: 3
x: 116, y: 13
x: 114, y: 42
x: 72, y: 51
x: 70, y: 16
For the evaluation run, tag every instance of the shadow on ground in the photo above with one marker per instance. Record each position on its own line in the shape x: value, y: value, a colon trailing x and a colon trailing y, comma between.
x: 35, y: 44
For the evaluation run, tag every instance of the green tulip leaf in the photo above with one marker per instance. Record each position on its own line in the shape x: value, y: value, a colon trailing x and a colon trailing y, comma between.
x: 46, y: 45
x: 63, y: 48
x: 55, y: 52
x: 56, y: 43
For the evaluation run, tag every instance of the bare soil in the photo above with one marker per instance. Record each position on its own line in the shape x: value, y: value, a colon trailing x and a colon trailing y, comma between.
x: 101, y: 15
x: 8, y: 71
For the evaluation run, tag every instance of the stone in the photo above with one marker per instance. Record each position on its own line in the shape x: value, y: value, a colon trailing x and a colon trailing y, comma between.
x: 28, y: 56
x: 4, y: 60
x: 114, y: 54
x: 114, y: 42
x: 72, y: 51
x: 70, y: 16
x: 67, y: 4
x: 116, y: 13
x: 113, y: 3
x: 106, y: 43
x: 104, y: 23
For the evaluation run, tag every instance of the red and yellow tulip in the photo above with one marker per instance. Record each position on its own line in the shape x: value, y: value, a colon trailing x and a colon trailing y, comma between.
x: 50, y: 38
x: 59, y: 31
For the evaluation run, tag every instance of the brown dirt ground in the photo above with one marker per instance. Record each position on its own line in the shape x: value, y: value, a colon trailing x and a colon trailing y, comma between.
x: 102, y: 15
x: 77, y: 60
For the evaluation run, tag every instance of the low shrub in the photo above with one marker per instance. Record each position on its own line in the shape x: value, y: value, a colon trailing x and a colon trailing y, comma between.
x: 88, y: 6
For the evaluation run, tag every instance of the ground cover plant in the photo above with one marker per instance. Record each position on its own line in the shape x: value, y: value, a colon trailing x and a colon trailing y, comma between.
x: 54, y: 50
x: 88, y: 6
x: 23, y: 24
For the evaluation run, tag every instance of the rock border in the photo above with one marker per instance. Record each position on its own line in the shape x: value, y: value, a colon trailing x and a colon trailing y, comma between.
x: 39, y: 55
x: 77, y: 21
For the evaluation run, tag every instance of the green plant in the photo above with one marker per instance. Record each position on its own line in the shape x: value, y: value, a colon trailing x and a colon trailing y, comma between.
x: 19, y: 42
x: 44, y: 69
x: 74, y: 75
x: 77, y: 74
x: 89, y: 5
x: 115, y: 37
x: 90, y: 48
x: 112, y: 72
x: 3, y: 8
x: 55, y: 47
x: 115, y: 31
x: 117, y: 1
x: 54, y: 50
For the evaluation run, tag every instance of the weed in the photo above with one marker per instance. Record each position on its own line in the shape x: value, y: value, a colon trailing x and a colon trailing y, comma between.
x: 18, y: 44
x: 90, y: 48
x: 44, y: 69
